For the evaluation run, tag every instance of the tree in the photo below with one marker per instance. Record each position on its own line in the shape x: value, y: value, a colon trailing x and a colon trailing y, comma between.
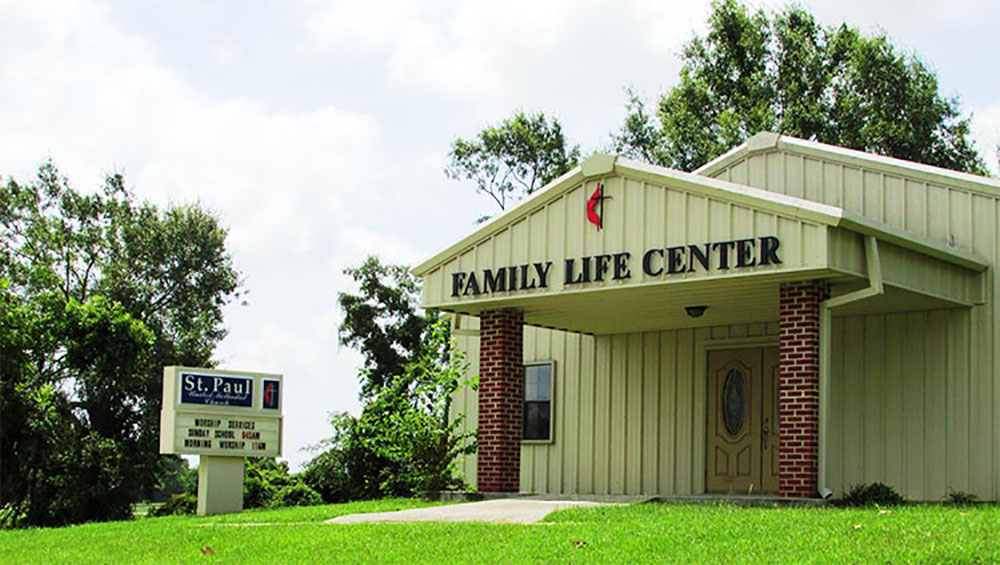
x: 754, y: 72
x: 383, y: 321
x: 514, y: 158
x: 99, y: 292
x: 405, y: 442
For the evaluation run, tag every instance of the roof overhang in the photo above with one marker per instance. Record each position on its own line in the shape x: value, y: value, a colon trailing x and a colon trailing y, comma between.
x: 659, y: 209
x: 769, y: 141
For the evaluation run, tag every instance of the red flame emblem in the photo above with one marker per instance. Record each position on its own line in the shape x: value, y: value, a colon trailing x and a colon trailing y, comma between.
x: 595, y: 207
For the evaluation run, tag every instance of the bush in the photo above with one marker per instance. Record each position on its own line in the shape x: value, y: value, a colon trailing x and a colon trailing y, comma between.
x: 262, y: 480
x: 872, y: 494
x: 405, y: 442
x: 178, y: 504
x: 174, y: 477
x: 327, y: 475
x: 268, y: 484
x: 297, y: 494
x: 960, y: 498
x: 10, y: 518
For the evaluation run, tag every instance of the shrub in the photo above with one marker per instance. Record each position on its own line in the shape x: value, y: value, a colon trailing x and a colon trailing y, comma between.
x: 297, y: 494
x: 10, y: 518
x: 960, y: 498
x: 327, y: 474
x: 263, y: 478
x: 257, y: 492
x: 872, y: 494
x: 406, y: 442
x: 174, y: 477
x: 178, y: 504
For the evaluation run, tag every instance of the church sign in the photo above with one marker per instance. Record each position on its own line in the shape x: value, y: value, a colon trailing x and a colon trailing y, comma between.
x: 210, y: 412
x: 216, y: 390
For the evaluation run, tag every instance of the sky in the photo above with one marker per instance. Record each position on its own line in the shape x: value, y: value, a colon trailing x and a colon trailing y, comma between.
x: 318, y: 131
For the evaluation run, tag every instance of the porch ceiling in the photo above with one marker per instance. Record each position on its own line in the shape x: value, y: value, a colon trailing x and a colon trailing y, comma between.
x: 730, y: 300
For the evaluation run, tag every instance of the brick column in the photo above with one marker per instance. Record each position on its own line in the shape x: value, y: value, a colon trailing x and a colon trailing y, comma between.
x: 501, y: 400
x: 798, y: 388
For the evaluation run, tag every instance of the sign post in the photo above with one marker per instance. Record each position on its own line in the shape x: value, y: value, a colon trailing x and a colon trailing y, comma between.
x: 221, y: 416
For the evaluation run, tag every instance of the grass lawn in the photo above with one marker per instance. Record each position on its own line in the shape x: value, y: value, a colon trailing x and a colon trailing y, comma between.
x: 640, y: 533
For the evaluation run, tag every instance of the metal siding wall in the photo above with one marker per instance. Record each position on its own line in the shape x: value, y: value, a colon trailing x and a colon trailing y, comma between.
x: 932, y: 210
x: 907, y: 408
x: 914, y: 271
x: 465, y: 402
x: 643, y: 216
x: 847, y: 251
x: 628, y: 410
x: 936, y: 424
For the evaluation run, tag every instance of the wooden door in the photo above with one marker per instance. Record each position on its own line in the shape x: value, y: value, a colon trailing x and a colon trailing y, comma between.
x: 742, y: 434
x: 769, y: 427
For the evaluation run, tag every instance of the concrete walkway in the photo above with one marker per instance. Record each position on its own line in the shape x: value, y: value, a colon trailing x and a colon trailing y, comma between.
x: 505, y: 510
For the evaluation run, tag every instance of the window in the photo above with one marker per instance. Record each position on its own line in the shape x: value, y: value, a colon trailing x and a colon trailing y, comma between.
x: 538, y: 402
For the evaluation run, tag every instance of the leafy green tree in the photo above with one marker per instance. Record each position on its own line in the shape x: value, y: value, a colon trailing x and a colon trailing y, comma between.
x: 411, y: 423
x: 785, y: 72
x: 327, y: 473
x: 99, y: 292
x: 514, y: 158
x: 175, y: 478
x: 405, y: 441
x: 383, y: 321
x: 63, y: 461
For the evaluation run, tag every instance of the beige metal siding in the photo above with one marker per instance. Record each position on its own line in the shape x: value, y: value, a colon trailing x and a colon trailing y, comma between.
x: 919, y: 273
x: 908, y: 407
x: 629, y: 410
x: 847, y: 251
x: 941, y: 213
x: 639, y: 217
x: 937, y: 424
x: 465, y: 401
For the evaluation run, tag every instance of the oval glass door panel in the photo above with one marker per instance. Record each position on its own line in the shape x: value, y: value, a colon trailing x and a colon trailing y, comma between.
x: 734, y: 402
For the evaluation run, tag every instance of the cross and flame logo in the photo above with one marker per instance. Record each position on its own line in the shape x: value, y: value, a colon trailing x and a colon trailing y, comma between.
x: 595, y: 207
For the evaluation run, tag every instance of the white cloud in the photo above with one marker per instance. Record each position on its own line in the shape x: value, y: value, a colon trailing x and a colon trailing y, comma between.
x: 567, y: 57
x: 986, y: 134
x: 291, y: 186
x: 907, y: 18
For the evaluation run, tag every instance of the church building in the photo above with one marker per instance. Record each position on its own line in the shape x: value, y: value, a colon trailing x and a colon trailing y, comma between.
x: 791, y: 319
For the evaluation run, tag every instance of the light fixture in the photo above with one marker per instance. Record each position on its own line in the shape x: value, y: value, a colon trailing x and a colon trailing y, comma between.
x: 695, y: 311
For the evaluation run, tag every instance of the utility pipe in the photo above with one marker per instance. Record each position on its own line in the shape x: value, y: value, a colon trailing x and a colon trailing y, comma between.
x: 874, y: 288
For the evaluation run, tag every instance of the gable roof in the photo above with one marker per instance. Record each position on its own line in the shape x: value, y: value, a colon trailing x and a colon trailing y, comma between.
x: 605, y: 165
x: 766, y: 141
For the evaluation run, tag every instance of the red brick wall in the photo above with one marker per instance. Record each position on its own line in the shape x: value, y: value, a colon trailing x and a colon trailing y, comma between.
x: 798, y: 388
x: 501, y: 400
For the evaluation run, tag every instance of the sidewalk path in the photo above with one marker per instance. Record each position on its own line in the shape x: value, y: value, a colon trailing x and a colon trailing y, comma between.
x: 506, y: 510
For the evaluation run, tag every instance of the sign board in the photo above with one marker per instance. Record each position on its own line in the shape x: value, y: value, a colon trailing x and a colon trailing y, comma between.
x: 224, y: 413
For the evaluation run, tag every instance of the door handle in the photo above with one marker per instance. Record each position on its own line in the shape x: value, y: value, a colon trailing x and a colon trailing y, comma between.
x: 764, y: 432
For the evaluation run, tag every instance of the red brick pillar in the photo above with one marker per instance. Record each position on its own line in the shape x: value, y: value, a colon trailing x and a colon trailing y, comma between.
x: 798, y: 388
x: 501, y: 400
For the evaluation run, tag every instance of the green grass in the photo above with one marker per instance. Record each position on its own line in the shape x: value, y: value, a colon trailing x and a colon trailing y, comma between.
x: 655, y: 533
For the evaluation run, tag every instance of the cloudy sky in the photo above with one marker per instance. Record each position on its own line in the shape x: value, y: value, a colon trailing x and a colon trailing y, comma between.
x: 318, y: 130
